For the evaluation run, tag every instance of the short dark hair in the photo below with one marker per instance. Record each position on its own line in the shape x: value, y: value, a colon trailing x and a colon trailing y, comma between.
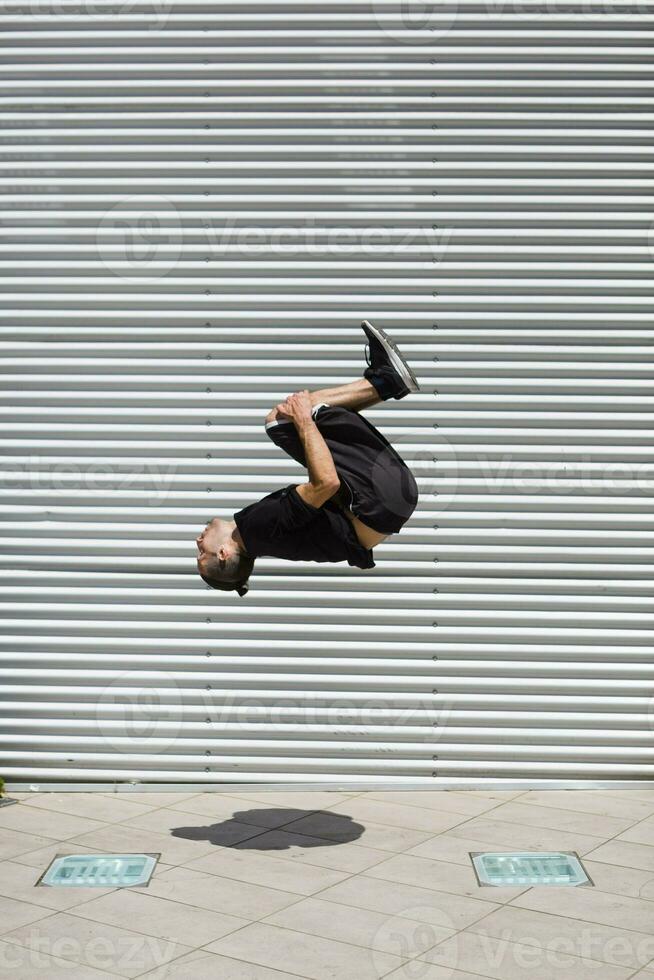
x: 231, y: 576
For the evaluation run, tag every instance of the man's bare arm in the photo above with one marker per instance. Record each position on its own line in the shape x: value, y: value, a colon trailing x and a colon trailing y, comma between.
x: 323, y: 478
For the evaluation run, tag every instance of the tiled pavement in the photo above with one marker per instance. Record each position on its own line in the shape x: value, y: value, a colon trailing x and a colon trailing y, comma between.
x: 329, y: 886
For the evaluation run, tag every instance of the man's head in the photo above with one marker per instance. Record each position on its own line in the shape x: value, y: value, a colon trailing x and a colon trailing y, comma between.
x: 223, y: 561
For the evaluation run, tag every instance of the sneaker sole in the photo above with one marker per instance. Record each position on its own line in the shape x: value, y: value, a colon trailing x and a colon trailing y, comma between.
x: 396, y: 357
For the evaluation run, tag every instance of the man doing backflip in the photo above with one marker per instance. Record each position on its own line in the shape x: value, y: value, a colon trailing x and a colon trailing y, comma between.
x: 358, y: 492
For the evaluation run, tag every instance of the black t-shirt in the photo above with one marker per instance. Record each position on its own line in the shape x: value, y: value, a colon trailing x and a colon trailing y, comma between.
x: 283, y: 525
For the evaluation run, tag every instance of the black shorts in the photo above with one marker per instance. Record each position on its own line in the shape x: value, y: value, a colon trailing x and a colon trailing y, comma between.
x: 381, y: 487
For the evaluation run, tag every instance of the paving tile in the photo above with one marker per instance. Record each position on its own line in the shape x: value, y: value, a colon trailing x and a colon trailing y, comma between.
x: 152, y: 798
x: 532, y: 815
x: 399, y: 899
x: 295, y: 799
x: 521, y: 836
x: 14, y: 913
x: 440, y: 875
x: 199, y: 888
x: 187, y: 826
x: 591, y: 801
x: 503, y: 959
x: 306, y: 956
x: 490, y: 794
x: 420, y: 970
x: 43, y: 856
x: 13, y: 843
x: 394, y: 934
x: 22, y: 963
x: 581, y: 938
x: 444, y: 801
x: 640, y: 833
x: 217, y: 808
x: 314, y: 850
x: 46, y: 823
x: 636, y: 794
x: 92, y: 805
x: 625, y: 854
x: 18, y: 882
x: 273, y: 872
x: 447, y: 847
x: 201, y: 965
x: 154, y: 916
x: 399, y: 815
x: 621, y: 881
x: 591, y: 906
x: 121, y: 838
x: 327, y: 825
x: 120, y: 951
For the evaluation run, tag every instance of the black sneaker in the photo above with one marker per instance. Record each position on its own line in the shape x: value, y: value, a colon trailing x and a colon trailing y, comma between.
x: 385, y: 361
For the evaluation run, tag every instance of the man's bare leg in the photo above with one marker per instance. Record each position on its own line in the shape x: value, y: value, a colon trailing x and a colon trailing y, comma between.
x: 356, y: 395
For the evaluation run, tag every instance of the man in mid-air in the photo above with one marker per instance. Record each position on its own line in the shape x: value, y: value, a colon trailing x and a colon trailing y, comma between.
x: 359, y: 490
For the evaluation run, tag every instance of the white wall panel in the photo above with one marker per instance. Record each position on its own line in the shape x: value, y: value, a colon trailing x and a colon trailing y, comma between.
x: 199, y: 202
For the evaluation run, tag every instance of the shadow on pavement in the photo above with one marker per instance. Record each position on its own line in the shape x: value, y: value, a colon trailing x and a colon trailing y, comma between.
x: 277, y: 830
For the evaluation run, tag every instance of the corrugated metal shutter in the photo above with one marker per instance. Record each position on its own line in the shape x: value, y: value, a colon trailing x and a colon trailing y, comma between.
x: 200, y: 202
